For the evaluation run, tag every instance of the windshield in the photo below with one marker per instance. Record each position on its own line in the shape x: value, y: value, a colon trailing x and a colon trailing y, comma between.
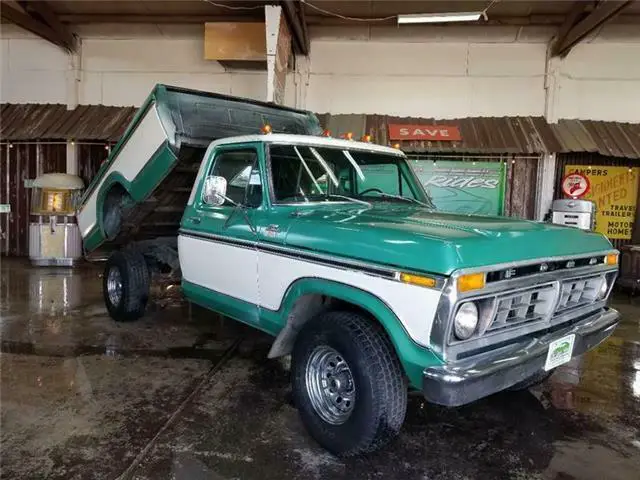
x: 302, y: 174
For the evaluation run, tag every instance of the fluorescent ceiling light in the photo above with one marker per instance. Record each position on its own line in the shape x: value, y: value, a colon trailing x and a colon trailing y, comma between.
x: 440, y: 17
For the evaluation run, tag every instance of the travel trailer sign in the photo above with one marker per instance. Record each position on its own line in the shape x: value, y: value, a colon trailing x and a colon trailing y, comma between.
x: 424, y: 132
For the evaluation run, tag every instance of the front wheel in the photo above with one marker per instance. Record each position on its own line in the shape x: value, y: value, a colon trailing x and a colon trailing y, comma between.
x: 125, y: 285
x: 348, y: 383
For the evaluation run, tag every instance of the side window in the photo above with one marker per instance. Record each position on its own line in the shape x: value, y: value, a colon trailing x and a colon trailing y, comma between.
x: 240, y: 169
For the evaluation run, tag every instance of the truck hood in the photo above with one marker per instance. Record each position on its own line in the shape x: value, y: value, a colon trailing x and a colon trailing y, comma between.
x: 416, y: 238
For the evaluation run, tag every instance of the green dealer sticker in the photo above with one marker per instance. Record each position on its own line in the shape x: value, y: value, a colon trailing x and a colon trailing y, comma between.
x: 560, y: 352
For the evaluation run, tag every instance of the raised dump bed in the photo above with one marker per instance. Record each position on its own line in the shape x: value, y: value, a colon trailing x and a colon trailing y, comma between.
x: 141, y: 190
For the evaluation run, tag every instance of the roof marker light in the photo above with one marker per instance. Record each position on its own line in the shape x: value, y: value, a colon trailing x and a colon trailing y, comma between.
x: 366, y: 138
x: 266, y: 129
x: 326, y: 133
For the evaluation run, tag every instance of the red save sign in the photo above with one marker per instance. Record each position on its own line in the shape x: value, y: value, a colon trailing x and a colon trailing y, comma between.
x: 424, y: 132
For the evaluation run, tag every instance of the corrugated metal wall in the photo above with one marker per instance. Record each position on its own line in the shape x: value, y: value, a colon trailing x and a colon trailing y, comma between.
x: 20, y: 162
x: 25, y: 161
x: 90, y: 156
x: 522, y: 172
x: 590, y: 159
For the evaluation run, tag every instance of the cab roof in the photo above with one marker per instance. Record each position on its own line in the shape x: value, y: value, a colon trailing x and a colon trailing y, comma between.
x: 309, y: 140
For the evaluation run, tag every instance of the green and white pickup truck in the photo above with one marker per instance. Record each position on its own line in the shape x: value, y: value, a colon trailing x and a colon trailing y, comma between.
x: 334, y: 248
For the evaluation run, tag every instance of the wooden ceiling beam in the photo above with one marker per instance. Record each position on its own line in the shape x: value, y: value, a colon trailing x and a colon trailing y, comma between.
x: 311, y: 20
x: 295, y: 18
x: 36, y: 25
x: 39, y: 8
x: 573, y: 33
x: 96, y: 18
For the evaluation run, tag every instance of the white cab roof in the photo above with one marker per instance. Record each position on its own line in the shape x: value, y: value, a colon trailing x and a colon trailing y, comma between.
x: 309, y: 140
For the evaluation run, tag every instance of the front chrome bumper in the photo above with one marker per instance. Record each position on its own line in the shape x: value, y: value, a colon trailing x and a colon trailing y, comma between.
x: 463, y: 382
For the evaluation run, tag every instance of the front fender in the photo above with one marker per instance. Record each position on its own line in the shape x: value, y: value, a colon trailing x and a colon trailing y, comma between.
x: 413, y: 357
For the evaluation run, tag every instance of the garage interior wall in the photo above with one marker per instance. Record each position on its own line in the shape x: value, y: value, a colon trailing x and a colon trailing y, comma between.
x: 442, y: 72
x: 21, y: 163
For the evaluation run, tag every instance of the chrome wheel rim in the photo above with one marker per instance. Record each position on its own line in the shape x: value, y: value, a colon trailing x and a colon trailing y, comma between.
x: 330, y: 385
x: 114, y: 286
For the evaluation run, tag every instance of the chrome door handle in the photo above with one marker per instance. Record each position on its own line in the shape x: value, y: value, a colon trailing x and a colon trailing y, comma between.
x: 195, y: 220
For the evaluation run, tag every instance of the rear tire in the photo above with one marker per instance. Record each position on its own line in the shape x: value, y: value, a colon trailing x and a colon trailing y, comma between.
x: 125, y: 285
x: 348, y: 383
x: 112, y: 217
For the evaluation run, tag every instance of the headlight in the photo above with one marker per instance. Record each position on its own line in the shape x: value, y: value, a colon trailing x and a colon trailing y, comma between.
x: 466, y: 320
x: 604, y: 289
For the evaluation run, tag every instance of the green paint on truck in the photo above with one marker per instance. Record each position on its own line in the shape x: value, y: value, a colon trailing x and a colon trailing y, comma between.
x: 334, y: 248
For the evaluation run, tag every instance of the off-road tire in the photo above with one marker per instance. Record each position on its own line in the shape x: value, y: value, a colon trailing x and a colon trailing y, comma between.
x: 112, y: 217
x: 381, y: 388
x: 135, y: 278
x: 532, y: 381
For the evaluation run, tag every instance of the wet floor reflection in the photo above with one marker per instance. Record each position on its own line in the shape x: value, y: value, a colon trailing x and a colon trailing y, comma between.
x: 82, y: 395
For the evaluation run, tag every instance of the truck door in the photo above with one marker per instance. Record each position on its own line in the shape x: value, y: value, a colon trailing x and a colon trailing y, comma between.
x: 218, y: 254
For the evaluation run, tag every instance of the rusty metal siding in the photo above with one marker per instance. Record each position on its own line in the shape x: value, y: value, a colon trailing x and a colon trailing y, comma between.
x: 20, y: 162
x: 495, y: 135
x: 480, y: 135
x: 90, y: 157
x: 36, y: 122
x: 610, y: 139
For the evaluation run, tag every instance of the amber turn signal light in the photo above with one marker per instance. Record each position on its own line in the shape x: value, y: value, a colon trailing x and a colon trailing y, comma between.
x: 472, y: 281
x: 611, y: 259
x: 418, y: 280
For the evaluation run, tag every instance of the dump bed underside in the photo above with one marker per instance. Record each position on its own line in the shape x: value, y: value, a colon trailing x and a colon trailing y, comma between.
x: 191, y: 120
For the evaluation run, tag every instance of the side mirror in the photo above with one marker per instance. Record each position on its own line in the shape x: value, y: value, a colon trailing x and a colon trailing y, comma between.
x: 215, y: 190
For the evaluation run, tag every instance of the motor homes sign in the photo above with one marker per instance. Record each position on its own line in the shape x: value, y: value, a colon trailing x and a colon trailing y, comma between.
x: 615, y: 192
x: 446, y: 133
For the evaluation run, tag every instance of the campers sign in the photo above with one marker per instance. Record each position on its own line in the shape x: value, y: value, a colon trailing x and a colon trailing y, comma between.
x: 424, y: 132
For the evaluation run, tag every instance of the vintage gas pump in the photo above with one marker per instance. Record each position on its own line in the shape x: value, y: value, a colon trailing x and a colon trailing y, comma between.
x: 54, y: 237
x: 574, y: 213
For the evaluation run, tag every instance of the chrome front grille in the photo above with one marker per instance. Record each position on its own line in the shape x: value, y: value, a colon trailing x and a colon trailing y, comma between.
x: 578, y: 292
x: 529, y: 305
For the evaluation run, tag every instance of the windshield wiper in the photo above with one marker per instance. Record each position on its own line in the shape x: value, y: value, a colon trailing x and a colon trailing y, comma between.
x: 344, y: 197
x: 406, y: 199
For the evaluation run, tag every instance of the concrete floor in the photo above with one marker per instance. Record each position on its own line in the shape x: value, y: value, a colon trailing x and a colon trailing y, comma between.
x: 183, y: 394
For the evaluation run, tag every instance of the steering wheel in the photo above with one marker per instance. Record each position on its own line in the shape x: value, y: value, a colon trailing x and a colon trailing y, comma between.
x: 374, y: 189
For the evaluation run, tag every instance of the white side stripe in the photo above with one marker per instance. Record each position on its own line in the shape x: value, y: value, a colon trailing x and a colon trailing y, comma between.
x: 229, y: 269
x: 136, y: 152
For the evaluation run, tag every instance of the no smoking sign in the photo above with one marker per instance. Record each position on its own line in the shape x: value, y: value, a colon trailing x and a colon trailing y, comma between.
x: 575, y: 185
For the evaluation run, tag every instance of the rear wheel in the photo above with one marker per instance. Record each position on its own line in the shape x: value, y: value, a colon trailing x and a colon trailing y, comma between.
x: 125, y: 285
x: 348, y: 383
